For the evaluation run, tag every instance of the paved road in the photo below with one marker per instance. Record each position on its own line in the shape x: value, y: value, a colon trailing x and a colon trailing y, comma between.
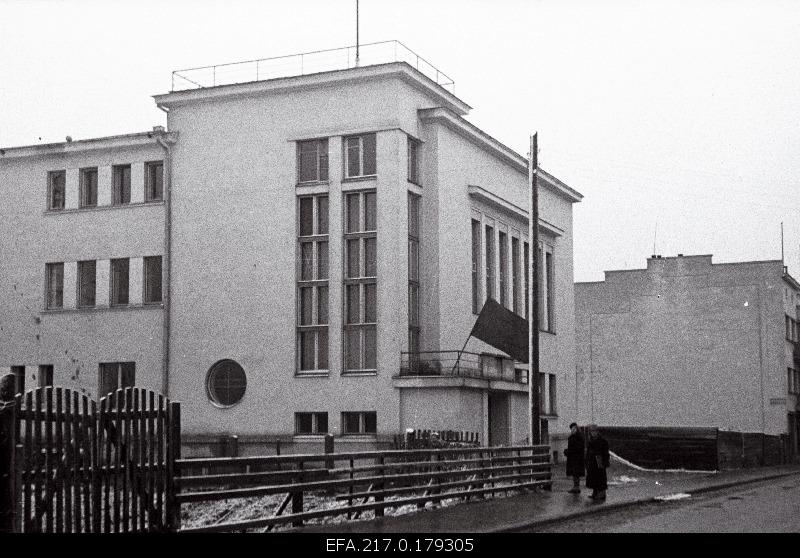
x: 769, y: 506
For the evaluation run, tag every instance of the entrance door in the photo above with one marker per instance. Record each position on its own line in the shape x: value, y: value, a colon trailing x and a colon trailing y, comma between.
x: 498, y: 419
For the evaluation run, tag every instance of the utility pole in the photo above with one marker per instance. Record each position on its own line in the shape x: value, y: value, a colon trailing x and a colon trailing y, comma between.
x: 533, y: 295
x: 357, y: 43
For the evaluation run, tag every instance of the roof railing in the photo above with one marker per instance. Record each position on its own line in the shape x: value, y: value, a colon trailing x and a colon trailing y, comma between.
x: 342, y: 58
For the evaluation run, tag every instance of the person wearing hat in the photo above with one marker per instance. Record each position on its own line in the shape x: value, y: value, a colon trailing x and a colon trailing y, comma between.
x: 597, y: 460
x: 574, y: 453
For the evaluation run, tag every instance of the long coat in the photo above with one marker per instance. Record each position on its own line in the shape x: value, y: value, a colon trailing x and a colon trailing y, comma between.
x: 574, y: 453
x: 597, y: 463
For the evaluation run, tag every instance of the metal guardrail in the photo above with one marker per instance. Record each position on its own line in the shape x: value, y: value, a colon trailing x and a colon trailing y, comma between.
x: 461, y: 364
x: 307, y: 63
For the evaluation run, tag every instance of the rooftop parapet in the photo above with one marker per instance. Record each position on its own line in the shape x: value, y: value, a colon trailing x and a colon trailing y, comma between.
x: 307, y: 63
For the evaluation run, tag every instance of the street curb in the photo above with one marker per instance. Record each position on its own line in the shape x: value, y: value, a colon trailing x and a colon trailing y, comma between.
x: 620, y: 505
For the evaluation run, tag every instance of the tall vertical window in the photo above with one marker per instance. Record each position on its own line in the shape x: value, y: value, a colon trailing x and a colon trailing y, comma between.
x: 413, y: 160
x: 490, y: 262
x: 152, y: 279
x: 552, y: 392
x: 121, y: 179
x: 503, y: 254
x: 541, y: 294
x: 55, y: 285
x: 45, y: 377
x: 413, y: 272
x: 312, y: 160
x: 476, y: 266
x: 116, y: 375
x: 526, y: 257
x: 360, y: 289
x: 88, y: 187
x: 515, y: 277
x: 312, y: 284
x: 87, y: 279
x: 359, y: 156
x: 119, y: 281
x: 154, y: 181
x: 56, y: 188
x: 550, y: 291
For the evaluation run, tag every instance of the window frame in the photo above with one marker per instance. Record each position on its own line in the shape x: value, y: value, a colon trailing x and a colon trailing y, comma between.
x: 361, y: 157
x: 113, y: 298
x: 49, y: 268
x: 413, y: 160
x: 364, y: 281
x: 362, y: 422
x: 145, y: 280
x: 315, y: 430
x: 414, y: 279
x: 322, y: 151
x: 121, y: 370
x: 79, y: 303
x: 45, y: 376
x: 148, y: 182
x: 212, y: 397
x: 117, y: 188
x: 316, y: 282
x: 83, y: 173
x: 50, y: 190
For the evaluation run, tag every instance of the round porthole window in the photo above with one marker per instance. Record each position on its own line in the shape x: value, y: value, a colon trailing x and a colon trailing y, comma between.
x: 226, y: 383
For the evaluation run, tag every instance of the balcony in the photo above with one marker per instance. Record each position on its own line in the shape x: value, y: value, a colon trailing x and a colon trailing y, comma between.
x: 307, y: 63
x: 460, y: 364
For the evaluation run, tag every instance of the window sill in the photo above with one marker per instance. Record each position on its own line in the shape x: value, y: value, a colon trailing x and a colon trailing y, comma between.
x: 368, y: 177
x: 72, y: 210
x: 89, y: 309
x: 312, y: 183
x: 309, y: 438
x: 357, y: 437
x: 312, y: 374
x: 360, y: 373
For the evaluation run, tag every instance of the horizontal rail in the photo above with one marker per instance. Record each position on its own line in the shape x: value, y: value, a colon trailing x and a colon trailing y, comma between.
x: 322, y: 457
x: 264, y: 522
x: 330, y: 484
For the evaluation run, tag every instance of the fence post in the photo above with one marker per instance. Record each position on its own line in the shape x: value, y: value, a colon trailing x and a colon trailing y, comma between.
x: 328, y: 450
x: 297, y: 498
x: 380, y: 487
x: 173, y: 454
x: 8, y: 419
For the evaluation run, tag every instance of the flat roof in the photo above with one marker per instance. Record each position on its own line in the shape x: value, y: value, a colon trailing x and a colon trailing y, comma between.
x: 76, y: 146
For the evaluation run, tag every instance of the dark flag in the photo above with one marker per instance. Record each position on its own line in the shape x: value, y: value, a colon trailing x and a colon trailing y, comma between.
x: 502, y: 329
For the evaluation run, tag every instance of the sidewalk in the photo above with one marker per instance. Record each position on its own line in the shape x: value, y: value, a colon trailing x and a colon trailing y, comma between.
x: 627, y: 487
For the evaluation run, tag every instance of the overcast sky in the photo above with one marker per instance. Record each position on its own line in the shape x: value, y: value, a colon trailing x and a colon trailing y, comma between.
x: 684, y: 114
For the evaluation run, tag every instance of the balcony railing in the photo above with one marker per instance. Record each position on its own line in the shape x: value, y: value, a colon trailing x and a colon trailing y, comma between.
x: 307, y: 63
x: 461, y: 364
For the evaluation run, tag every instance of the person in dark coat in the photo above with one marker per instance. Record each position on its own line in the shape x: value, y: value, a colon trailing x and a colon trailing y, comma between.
x: 597, y: 461
x: 574, y: 452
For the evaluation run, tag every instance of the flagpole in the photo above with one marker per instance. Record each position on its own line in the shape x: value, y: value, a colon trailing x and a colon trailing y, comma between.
x: 533, y: 295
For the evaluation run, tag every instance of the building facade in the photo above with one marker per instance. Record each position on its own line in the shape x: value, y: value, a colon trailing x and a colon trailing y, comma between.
x: 284, y: 258
x: 690, y: 343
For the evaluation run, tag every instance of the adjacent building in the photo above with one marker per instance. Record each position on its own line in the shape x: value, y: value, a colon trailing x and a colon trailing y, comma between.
x: 690, y: 343
x: 290, y: 257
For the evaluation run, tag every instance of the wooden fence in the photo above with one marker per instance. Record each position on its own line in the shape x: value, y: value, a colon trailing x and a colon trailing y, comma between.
x: 84, y: 467
x: 354, y: 483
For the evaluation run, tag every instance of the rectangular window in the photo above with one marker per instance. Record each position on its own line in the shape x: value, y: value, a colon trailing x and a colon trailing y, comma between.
x: 515, y: 277
x: 413, y: 160
x: 359, y: 423
x: 56, y: 190
x: 152, y: 279
x: 310, y: 423
x: 476, y: 266
x: 87, y: 277
x: 312, y: 284
x: 312, y: 161
x: 19, y: 378
x: 154, y: 181
x: 526, y: 257
x: 413, y: 272
x: 55, y: 285
x: 116, y: 375
x: 552, y: 392
x: 359, y: 156
x: 503, y: 253
x: 88, y: 187
x: 119, y: 281
x: 550, y: 291
x: 490, y: 262
x: 360, y: 283
x: 121, y: 178
x: 45, y: 377
x: 542, y: 393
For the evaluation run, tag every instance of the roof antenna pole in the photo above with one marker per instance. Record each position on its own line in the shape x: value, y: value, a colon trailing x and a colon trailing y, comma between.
x: 357, y: 54
x: 782, y: 262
